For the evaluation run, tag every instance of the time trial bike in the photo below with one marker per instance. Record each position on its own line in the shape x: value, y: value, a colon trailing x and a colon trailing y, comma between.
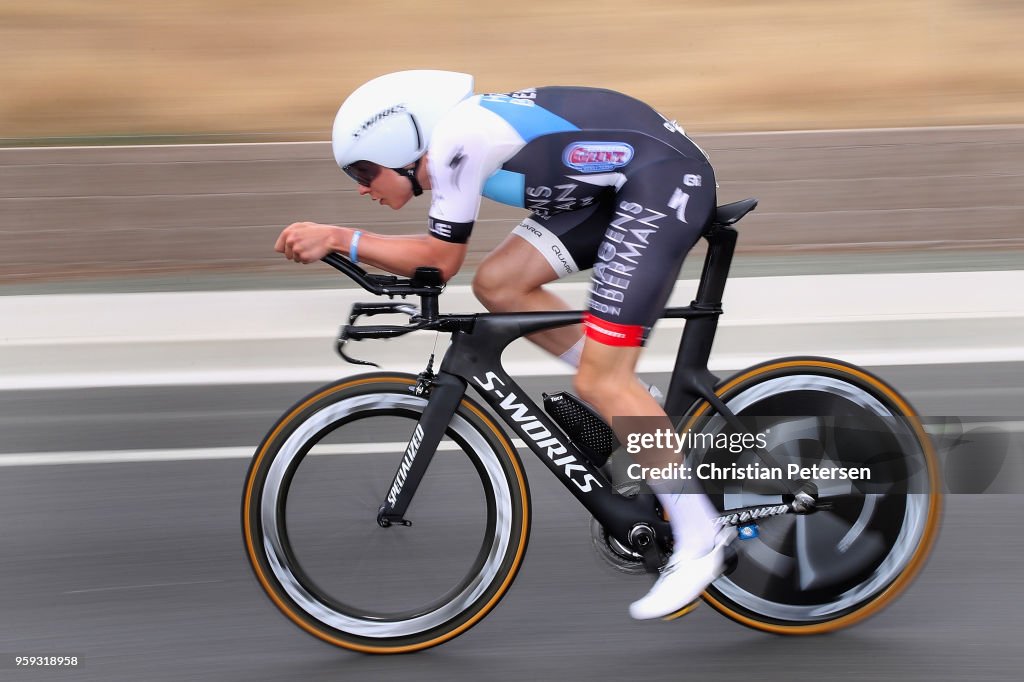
x: 389, y: 512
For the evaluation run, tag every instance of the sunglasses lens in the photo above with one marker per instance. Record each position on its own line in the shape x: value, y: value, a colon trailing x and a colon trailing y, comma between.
x: 363, y: 172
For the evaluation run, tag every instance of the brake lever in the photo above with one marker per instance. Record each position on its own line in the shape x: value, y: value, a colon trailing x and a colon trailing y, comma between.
x: 343, y: 339
x: 357, y: 333
x: 351, y: 360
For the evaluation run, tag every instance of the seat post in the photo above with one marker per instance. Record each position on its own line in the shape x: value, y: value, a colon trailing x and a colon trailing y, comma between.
x: 721, y: 246
x: 690, y: 376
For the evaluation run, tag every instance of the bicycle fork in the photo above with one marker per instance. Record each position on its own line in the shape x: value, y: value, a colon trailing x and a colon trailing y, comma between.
x: 446, y: 392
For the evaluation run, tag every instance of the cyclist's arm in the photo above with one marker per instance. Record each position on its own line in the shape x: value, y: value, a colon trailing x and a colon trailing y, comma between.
x: 463, y: 153
x: 399, y: 254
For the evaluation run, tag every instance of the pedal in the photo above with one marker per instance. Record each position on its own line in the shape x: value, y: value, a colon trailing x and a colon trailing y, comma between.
x: 584, y: 427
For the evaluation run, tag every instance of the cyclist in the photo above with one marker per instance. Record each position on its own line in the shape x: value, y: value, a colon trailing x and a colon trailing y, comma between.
x: 611, y: 185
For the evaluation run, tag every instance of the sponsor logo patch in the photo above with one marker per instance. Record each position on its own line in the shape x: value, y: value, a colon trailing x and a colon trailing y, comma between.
x: 597, y: 157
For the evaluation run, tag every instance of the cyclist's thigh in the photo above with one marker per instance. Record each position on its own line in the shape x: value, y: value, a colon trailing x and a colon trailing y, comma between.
x: 567, y: 241
x: 513, y: 266
x: 659, y: 214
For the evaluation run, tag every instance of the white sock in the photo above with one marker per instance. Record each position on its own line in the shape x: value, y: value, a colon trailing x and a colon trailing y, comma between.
x: 572, y: 356
x: 692, y: 518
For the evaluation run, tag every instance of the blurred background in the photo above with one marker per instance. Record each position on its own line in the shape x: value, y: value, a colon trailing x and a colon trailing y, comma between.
x: 115, y: 74
x: 151, y: 152
x: 110, y: 68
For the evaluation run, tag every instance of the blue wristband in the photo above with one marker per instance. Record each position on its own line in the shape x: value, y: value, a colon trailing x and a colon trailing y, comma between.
x: 353, y: 247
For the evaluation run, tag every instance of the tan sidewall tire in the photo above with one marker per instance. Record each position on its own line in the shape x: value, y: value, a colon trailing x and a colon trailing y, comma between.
x: 384, y: 383
x: 932, y: 523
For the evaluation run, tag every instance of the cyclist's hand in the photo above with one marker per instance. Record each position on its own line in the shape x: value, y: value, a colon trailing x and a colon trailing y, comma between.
x: 308, y: 242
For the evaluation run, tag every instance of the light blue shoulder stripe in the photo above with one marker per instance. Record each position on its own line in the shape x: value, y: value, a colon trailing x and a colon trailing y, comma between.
x: 506, y: 187
x: 528, y: 119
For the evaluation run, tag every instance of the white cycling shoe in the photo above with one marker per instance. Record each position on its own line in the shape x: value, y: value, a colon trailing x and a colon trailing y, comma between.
x: 682, y: 580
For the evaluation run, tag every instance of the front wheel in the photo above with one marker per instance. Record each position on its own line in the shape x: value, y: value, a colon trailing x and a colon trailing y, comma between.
x: 819, y: 572
x: 309, y: 517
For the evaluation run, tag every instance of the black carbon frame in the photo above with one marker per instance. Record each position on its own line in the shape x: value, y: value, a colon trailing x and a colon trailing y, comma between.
x: 474, y: 358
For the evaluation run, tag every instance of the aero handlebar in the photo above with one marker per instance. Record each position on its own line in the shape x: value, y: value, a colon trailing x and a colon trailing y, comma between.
x: 426, y: 281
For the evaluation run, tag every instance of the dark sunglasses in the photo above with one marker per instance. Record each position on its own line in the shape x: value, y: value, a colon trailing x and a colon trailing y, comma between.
x: 363, y: 172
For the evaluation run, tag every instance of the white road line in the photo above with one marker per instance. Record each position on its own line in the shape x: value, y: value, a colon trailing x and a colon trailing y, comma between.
x: 722, y: 362
x: 186, y: 454
x: 698, y: 136
x: 245, y: 452
x: 142, y: 587
x: 210, y: 338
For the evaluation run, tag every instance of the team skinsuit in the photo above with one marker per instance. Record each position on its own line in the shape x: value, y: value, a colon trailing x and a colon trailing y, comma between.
x: 612, y: 185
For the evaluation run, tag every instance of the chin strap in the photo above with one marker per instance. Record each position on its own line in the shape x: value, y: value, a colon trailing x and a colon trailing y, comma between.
x: 410, y: 173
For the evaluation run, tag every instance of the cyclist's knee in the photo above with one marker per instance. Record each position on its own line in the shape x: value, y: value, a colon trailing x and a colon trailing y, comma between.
x: 488, y: 289
x: 497, y: 289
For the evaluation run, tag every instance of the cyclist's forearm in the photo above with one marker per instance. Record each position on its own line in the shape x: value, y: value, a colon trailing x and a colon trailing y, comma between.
x: 402, y: 254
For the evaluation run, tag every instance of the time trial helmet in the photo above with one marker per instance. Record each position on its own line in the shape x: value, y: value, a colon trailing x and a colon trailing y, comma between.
x: 389, y: 120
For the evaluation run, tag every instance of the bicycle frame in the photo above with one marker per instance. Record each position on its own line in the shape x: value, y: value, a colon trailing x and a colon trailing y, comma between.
x: 820, y: 581
x: 474, y: 358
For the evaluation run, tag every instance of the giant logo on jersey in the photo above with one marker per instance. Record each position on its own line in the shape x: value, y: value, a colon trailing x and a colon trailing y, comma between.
x: 597, y: 157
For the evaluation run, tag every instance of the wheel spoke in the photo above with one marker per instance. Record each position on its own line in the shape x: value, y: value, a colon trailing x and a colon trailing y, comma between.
x: 826, y: 557
x: 821, y: 567
x: 770, y: 562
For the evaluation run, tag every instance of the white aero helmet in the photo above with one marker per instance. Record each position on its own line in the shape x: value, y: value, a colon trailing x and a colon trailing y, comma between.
x: 389, y: 120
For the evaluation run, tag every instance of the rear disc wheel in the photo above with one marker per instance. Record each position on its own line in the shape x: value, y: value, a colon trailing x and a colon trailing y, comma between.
x: 816, y: 573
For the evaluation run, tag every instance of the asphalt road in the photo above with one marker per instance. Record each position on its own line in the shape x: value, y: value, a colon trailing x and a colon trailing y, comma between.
x: 138, y: 569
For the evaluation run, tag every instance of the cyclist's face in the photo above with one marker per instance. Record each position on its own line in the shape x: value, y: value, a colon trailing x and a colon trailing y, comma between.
x: 389, y: 188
